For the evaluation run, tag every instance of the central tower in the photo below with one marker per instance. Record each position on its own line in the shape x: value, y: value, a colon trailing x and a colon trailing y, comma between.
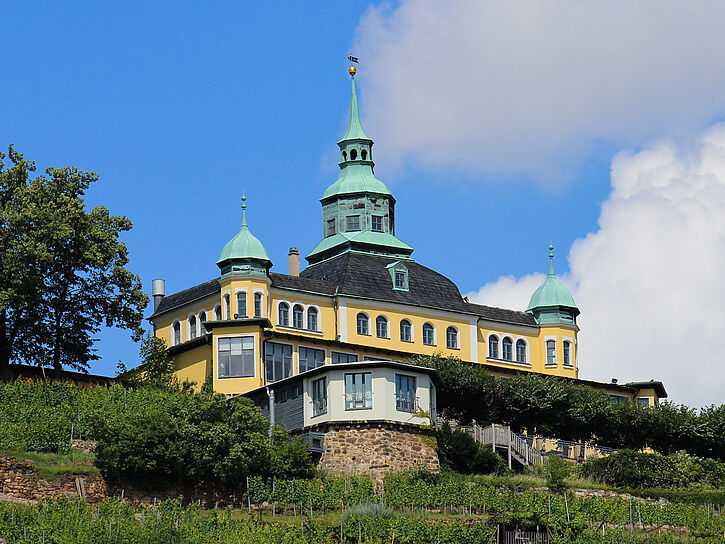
x: 358, y: 210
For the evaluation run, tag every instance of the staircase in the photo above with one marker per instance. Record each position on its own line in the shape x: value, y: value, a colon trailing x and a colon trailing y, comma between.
x: 516, y: 445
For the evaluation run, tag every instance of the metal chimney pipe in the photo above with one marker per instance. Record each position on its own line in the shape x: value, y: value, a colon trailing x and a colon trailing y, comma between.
x: 158, y: 290
x: 294, y: 261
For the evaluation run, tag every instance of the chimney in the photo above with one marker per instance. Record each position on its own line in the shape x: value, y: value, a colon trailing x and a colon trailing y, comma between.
x: 294, y: 261
x: 158, y: 290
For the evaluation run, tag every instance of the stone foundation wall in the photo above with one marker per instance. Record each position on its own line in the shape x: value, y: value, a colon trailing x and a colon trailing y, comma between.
x: 20, y: 481
x: 374, y: 449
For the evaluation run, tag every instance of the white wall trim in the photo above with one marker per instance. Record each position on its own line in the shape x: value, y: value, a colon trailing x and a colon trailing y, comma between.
x: 473, y: 331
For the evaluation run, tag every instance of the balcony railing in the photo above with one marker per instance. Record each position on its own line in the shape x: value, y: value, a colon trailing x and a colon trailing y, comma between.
x: 358, y: 401
x: 404, y: 403
x: 319, y: 407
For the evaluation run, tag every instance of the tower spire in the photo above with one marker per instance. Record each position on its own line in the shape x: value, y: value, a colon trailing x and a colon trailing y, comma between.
x: 244, y: 209
x: 354, y: 127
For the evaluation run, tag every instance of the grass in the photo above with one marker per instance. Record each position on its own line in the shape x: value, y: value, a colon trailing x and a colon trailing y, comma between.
x: 52, y: 466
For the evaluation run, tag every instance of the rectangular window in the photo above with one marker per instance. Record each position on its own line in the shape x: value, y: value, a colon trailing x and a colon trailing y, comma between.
x: 236, y: 357
x: 257, y: 304
x: 358, y: 391
x: 617, y: 399
x: 377, y: 223
x: 567, y: 350
x: 227, y: 307
x: 369, y: 358
x: 330, y: 227
x: 644, y: 401
x: 338, y: 358
x: 405, y: 390
x: 319, y: 397
x: 242, y: 304
x: 311, y: 358
x: 550, y: 352
x: 401, y: 280
x: 353, y: 222
x: 277, y: 360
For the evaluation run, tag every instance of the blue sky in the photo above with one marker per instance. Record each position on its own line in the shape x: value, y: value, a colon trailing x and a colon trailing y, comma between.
x: 178, y: 107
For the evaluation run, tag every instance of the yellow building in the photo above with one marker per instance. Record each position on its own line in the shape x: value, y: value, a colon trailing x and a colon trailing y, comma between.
x: 362, y: 297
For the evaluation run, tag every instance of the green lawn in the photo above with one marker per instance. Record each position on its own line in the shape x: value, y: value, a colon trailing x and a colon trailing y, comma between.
x: 51, y: 466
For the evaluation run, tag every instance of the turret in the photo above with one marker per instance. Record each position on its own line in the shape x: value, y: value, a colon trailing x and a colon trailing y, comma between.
x: 244, y: 255
x: 552, y: 303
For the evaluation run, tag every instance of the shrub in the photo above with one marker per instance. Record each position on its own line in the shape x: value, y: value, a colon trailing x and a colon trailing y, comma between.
x: 195, y: 439
x: 631, y: 469
x: 368, y: 510
x: 459, y: 452
x: 556, y: 471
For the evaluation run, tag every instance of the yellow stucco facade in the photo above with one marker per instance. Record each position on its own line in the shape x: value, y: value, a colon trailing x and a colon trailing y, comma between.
x: 362, y: 297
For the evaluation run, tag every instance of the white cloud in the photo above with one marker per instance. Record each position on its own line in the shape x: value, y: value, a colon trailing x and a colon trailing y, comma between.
x: 650, y: 283
x: 524, y: 87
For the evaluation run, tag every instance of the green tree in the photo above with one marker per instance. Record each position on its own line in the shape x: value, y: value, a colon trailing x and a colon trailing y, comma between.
x: 62, y: 269
x: 157, y: 365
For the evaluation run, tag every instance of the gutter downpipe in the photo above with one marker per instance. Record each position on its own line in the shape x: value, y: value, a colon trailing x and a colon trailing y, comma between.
x: 272, y: 418
x: 335, y: 307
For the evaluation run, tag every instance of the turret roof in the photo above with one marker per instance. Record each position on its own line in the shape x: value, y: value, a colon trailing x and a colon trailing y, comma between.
x: 551, y: 293
x: 244, y: 245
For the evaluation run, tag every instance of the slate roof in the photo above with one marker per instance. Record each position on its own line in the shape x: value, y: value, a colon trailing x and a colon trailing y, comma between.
x: 188, y: 295
x: 366, y: 276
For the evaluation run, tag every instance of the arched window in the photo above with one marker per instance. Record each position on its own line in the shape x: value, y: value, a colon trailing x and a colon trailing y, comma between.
x: 567, y: 353
x: 381, y: 327
x: 520, y: 351
x: 242, y: 303
x: 283, y: 314
x: 344, y: 155
x: 551, y: 352
x: 493, y: 346
x: 202, y: 319
x: 508, y: 349
x: 428, y: 334
x: 353, y: 154
x: 192, y: 327
x: 298, y: 316
x: 364, y: 154
x: 218, y: 313
x: 451, y: 338
x: 363, y: 324
x: 406, y: 331
x: 177, y: 333
x: 227, y: 307
x: 312, y: 318
x: 257, y: 304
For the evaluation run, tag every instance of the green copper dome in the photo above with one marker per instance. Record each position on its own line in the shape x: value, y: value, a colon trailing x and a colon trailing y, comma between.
x: 551, y: 293
x: 244, y: 246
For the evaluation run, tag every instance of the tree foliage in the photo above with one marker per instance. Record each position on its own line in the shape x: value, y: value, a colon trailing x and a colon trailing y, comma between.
x: 62, y: 268
x: 459, y: 452
x: 559, y: 408
x: 193, y: 439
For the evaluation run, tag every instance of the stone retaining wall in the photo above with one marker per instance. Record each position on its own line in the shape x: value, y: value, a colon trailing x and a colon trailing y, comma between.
x: 19, y: 480
x: 374, y: 449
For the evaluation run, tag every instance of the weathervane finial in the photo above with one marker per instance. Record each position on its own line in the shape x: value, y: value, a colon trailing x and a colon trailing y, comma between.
x: 244, y: 209
x: 352, y: 70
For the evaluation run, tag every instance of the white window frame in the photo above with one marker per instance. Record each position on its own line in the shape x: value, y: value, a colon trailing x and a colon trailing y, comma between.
x: 412, y: 331
x: 435, y: 334
x: 458, y: 337
x: 172, y: 340
x: 527, y: 359
x: 262, y: 305
x: 357, y: 325
x: 548, y: 339
x: 299, y: 359
x: 319, y: 318
x: 254, y: 357
x: 246, y: 299
x: 498, y: 346
x: 387, y: 326
x: 188, y: 326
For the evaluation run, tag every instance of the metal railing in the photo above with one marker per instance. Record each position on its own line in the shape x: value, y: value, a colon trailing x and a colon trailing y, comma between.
x: 358, y: 401
x: 319, y: 407
x: 405, y: 403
